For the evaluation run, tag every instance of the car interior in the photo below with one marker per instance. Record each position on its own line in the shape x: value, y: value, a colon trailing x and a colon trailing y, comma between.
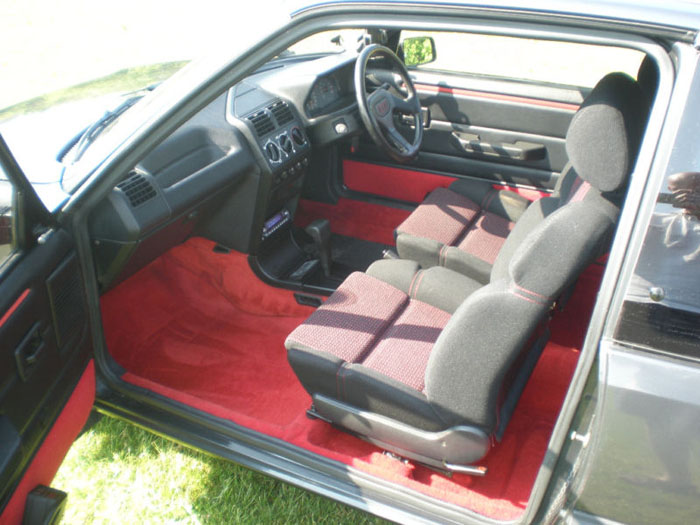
x: 382, y: 262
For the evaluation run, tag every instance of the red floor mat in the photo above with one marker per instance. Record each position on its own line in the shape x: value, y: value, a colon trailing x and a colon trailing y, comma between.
x: 188, y: 322
x: 362, y: 220
x: 200, y: 328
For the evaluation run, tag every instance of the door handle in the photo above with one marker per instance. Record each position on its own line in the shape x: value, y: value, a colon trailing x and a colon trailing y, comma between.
x: 518, y: 150
x: 28, y: 352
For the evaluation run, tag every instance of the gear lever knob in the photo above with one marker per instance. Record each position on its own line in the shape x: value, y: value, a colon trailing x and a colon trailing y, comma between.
x: 320, y: 232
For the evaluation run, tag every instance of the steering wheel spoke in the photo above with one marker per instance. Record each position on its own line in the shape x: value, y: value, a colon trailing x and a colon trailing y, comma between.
x: 378, y: 109
x: 406, y: 106
x: 398, y: 139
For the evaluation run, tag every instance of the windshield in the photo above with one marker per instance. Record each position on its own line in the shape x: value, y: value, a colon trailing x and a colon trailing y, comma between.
x: 67, y: 64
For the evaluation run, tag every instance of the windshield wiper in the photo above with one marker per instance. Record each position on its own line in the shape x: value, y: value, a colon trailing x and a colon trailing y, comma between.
x: 78, y: 144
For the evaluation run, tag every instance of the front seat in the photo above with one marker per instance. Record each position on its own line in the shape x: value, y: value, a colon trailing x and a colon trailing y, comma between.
x: 464, y: 227
x: 392, y: 359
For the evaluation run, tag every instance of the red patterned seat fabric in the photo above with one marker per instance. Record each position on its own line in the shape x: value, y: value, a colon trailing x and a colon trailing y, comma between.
x: 486, y: 236
x: 358, y: 312
x: 443, y: 215
x: 454, y: 220
x: 374, y: 325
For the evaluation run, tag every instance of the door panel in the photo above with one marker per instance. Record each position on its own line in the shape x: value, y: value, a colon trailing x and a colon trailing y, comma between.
x: 45, y: 346
x: 391, y: 182
x: 48, y: 458
x: 495, y: 135
x: 489, y: 131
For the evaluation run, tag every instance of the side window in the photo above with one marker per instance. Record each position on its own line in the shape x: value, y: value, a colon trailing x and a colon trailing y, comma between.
x: 7, y: 217
x: 567, y: 63
x: 331, y: 41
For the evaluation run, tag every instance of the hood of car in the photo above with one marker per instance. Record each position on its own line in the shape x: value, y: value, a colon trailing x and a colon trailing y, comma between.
x: 35, y: 140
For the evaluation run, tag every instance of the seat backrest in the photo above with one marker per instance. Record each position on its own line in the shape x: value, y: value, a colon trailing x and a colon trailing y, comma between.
x: 602, y: 143
x: 470, y: 369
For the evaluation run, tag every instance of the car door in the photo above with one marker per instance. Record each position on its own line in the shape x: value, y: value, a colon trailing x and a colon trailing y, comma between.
x: 47, y: 378
x: 496, y: 110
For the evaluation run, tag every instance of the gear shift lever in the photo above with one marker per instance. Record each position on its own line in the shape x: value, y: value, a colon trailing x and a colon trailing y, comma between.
x: 320, y: 232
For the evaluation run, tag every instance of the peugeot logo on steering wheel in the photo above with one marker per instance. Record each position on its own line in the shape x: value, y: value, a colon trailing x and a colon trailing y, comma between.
x: 381, y: 108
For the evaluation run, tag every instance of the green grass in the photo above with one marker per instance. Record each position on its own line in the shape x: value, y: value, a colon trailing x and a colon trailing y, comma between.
x: 125, y: 80
x: 118, y: 473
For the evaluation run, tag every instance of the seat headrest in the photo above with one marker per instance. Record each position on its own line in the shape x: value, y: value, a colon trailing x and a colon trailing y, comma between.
x: 648, y: 77
x: 603, y: 137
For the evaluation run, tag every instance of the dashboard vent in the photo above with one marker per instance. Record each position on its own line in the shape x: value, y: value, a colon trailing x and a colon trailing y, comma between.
x: 281, y: 112
x: 261, y: 122
x: 137, y: 189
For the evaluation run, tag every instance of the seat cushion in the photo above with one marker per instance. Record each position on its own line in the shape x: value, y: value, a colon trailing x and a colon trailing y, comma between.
x: 443, y: 216
x: 352, y: 319
x: 371, y: 334
x: 403, y: 350
x: 486, y: 236
x: 462, y: 227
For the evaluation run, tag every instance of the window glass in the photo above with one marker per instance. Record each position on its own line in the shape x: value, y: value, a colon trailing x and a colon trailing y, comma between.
x: 565, y: 63
x: 661, y: 307
x: 7, y: 240
x: 662, y: 304
x: 334, y: 41
x: 65, y: 64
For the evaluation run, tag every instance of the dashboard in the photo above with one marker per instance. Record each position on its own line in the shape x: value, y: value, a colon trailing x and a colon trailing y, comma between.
x: 234, y: 172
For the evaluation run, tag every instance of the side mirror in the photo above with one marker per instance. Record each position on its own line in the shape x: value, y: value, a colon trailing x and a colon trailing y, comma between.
x: 417, y: 50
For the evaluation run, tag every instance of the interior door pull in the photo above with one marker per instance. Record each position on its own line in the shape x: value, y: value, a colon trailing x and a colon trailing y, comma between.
x: 518, y: 150
x: 29, y: 351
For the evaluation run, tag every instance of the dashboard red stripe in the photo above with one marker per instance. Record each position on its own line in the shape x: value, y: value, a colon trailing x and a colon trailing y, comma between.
x: 428, y: 88
x: 14, y: 307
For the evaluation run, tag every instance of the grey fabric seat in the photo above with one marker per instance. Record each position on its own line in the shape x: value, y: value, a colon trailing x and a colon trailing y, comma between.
x: 464, y: 227
x: 461, y: 227
x: 430, y: 363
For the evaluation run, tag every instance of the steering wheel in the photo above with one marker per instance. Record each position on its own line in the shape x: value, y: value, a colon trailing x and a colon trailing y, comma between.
x: 377, y: 109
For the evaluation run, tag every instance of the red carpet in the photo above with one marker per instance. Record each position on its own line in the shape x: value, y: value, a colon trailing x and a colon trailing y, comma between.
x: 200, y: 328
x: 394, y: 183
x: 362, y: 220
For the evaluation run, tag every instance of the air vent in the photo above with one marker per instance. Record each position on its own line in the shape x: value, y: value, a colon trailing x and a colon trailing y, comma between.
x: 273, y: 152
x: 137, y: 189
x: 286, y: 143
x: 298, y: 137
x: 261, y: 122
x: 281, y: 112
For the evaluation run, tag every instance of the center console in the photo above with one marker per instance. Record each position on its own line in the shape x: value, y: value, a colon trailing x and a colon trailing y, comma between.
x: 284, y: 151
x: 281, y: 253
